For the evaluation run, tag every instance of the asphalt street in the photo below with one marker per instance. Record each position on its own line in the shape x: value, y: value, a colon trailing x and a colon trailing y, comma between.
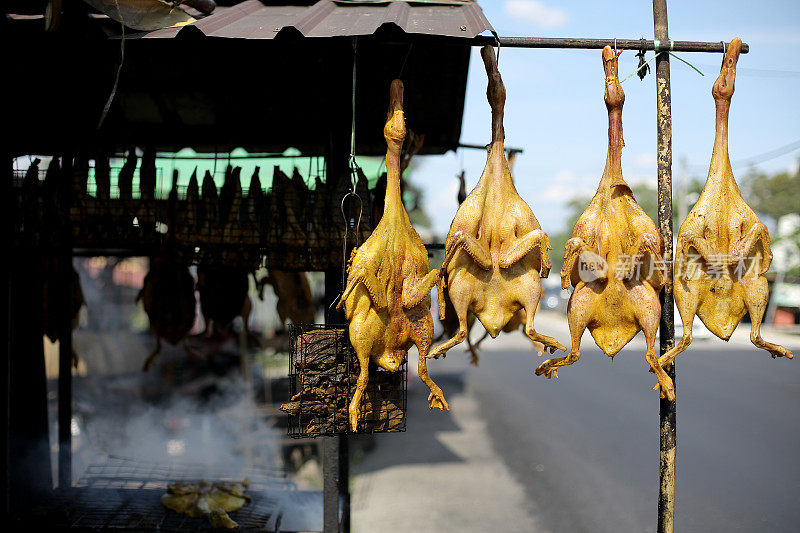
x: 586, y: 447
x: 518, y: 452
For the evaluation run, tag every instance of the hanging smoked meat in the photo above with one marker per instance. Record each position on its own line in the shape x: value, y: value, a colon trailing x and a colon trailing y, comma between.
x: 495, y: 252
x: 148, y: 178
x: 387, y: 297
x: 168, y: 299
x: 54, y: 305
x: 295, y: 300
x: 209, y: 226
x: 223, y: 291
x: 723, y: 248
x: 614, y: 258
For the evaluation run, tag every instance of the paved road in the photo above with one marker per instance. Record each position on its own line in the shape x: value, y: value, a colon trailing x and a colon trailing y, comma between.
x: 585, y: 447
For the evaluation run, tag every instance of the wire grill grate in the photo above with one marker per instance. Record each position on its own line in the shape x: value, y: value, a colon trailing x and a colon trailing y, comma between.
x: 323, y: 373
x: 125, y: 495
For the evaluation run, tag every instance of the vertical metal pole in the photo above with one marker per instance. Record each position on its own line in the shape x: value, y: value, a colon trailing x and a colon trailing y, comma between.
x: 65, y: 374
x: 330, y: 445
x: 335, y: 450
x: 666, y: 490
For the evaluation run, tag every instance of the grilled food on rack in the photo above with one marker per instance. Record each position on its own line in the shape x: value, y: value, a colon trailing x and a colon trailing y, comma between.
x: 495, y: 251
x: 168, y: 299
x: 614, y: 257
x: 203, y: 499
x: 723, y: 248
x: 387, y: 297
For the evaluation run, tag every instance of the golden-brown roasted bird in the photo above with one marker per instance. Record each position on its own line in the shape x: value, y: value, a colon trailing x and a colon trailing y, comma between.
x: 723, y: 248
x: 496, y: 251
x: 615, y: 237
x: 387, y: 297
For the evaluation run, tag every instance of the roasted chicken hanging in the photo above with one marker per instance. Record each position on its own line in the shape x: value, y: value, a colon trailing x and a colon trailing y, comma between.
x: 224, y: 295
x: 168, y: 299
x: 614, y: 258
x: 723, y: 248
x: 295, y: 300
x: 495, y: 252
x: 450, y: 321
x: 387, y: 297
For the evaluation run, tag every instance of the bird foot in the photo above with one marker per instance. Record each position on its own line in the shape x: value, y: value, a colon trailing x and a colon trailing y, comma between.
x: 353, y: 422
x: 436, y: 401
x: 667, y: 390
x: 547, y: 369
x: 780, y: 351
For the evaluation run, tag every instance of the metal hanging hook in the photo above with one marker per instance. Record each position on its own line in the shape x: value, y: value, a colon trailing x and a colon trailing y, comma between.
x: 347, y: 231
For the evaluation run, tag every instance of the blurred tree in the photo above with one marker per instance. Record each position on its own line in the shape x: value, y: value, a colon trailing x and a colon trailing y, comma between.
x: 773, y: 195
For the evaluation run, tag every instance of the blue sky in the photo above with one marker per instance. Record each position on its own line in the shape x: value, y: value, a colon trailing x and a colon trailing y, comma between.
x: 555, y: 109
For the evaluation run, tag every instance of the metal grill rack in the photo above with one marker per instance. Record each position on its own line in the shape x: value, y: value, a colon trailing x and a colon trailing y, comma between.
x: 125, y: 495
x: 322, y: 375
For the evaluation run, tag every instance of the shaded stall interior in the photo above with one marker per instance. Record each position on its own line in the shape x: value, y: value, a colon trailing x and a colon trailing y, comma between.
x: 213, y: 94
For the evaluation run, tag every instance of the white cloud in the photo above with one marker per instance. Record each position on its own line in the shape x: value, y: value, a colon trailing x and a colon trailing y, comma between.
x: 537, y: 12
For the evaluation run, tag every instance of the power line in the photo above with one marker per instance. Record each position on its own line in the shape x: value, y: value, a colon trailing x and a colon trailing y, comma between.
x: 766, y: 156
x: 760, y: 158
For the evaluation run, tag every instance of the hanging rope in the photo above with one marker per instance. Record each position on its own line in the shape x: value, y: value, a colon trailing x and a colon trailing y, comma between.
x: 646, y: 66
x: 354, y: 171
x: 119, y: 69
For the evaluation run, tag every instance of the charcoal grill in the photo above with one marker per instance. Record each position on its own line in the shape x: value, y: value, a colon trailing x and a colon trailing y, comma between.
x: 125, y: 495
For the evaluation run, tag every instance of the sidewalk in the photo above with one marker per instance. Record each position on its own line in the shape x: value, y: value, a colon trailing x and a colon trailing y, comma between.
x: 442, y: 474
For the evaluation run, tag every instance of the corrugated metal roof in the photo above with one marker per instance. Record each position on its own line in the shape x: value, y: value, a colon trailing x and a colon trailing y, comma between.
x: 253, y: 19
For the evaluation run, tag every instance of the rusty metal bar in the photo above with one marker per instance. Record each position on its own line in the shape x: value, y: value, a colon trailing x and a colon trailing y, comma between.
x: 667, y: 442
x: 660, y: 44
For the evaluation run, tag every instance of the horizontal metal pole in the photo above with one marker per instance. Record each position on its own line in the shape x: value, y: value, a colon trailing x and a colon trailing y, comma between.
x: 486, y: 147
x: 621, y: 44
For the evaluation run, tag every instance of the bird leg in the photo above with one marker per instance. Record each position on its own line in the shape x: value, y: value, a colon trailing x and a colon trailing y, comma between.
x: 361, y: 385
x: 757, y: 233
x: 416, y: 289
x: 572, y: 253
x: 666, y: 359
x: 646, y: 243
x: 473, y: 349
x: 362, y: 275
x: 472, y: 246
x: 549, y: 368
x: 664, y: 381
x: 549, y: 342
x: 756, y: 304
x: 525, y: 244
x: 436, y: 397
x: 463, y: 332
x: 685, y: 242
